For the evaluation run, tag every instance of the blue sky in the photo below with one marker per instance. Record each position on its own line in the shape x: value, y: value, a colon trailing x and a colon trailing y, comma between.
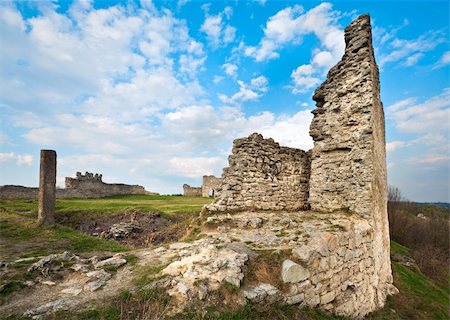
x: 153, y: 93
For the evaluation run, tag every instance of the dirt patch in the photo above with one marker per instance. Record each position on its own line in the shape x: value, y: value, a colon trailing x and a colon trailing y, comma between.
x: 132, y: 228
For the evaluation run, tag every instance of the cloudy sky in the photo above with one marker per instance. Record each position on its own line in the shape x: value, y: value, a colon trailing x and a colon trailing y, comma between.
x: 153, y: 93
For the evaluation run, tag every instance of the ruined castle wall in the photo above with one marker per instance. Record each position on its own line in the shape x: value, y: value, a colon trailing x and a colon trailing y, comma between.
x: 210, y: 183
x: 92, y: 186
x: 348, y: 167
x: 192, y: 191
x: 83, y: 186
x: 263, y: 175
x: 18, y: 192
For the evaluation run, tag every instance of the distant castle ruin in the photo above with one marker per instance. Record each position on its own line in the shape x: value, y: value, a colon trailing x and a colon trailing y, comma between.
x: 208, y: 189
x: 88, y: 185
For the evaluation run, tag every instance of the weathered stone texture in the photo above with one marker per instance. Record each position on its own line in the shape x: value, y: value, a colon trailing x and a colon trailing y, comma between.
x: 348, y: 168
x: 192, y: 191
x: 263, y: 175
x: 210, y: 185
x: 47, y: 188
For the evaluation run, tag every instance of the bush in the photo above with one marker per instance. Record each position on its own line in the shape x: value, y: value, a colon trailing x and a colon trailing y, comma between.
x: 425, y: 230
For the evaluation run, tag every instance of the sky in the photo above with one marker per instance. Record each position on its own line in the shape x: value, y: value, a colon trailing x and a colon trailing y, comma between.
x: 154, y: 93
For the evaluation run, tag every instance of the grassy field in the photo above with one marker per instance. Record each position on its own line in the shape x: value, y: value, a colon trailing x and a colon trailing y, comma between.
x: 19, y: 237
x: 419, y: 298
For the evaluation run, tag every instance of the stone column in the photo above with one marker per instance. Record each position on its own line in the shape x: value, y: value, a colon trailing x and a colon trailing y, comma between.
x: 47, y: 188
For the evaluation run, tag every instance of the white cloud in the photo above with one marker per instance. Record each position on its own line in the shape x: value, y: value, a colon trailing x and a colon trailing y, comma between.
x: 217, y: 79
x: 394, y: 145
x: 290, y: 24
x: 19, y: 159
x: 24, y: 160
x: 431, y: 116
x: 303, y: 79
x: 247, y: 92
x: 443, y: 61
x: 194, y: 167
x: 218, y: 33
x: 230, y: 69
x: 409, y: 52
x: 7, y: 156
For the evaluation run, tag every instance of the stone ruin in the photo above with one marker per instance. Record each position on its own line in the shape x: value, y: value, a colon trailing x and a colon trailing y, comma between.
x: 191, y: 191
x: 209, y: 186
x: 91, y: 185
x: 88, y: 185
x: 343, y: 265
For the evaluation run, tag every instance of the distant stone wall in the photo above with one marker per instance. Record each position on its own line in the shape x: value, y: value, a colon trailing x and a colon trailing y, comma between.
x: 83, y: 186
x: 263, y: 175
x: 210, y: 185
x: 192, y: 191
x: 18, y: 192
x: 91, y: 185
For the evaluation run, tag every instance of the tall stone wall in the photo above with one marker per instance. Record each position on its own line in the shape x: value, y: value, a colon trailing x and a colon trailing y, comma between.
x: 263, y: 175
x: 348, y: 167
x: 210, y: 185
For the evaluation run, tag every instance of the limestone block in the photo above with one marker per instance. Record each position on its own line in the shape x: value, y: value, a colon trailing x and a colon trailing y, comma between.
x: 328, y: 297
x: 292, y: 272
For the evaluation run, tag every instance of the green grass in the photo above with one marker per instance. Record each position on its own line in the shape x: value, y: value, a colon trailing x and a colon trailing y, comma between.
x: 419, y: 297
x: 397, y: 248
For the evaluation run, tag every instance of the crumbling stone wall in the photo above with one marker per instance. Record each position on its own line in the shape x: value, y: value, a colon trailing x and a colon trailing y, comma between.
x: 91, y: 185
x: 18, y: 192
x: 346, y: 172
x: 263, y: 175
x: 348, y: 168
x: 210, y: 185
x: 88, y: 185
x: 192, y: 191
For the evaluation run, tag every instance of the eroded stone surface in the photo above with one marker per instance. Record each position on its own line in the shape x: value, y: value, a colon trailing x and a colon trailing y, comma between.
x: 263, y: 175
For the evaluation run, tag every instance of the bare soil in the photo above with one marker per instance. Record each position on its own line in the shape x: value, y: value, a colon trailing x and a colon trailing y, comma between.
x: 143, y: 228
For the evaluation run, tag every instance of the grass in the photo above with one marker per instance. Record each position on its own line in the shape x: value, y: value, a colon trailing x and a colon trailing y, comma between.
x: 419, y: 297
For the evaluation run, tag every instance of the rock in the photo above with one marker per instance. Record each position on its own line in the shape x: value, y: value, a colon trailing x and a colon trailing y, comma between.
x: 328, y: 297
x: 160, y: 249
x: 121, y: 230
x: 260, y: 292
x: 115, y: 261
x: 179, y: 245
x: 80, y: 267
x: 298, y: 298
x: 101, y: 277
x: 208, y: 265
x: 52, y: 306
x: 48, y: 283
x: 46, y: 261
x: 292, y: 272
x: 72, y: 291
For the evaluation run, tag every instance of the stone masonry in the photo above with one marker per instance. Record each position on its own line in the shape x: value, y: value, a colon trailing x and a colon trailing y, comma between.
x: 345, y: 174
x: 47, y: 188
x: 348, y: 168
x: 88, y: 185
x: 263, y: 175
x: 210, y: 185
x: 192, y: 191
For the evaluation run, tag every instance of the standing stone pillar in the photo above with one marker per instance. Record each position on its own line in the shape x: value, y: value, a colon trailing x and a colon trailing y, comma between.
x: 47, y: 188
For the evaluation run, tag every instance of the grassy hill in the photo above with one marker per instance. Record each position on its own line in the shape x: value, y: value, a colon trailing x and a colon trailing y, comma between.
x: 420, y: 297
